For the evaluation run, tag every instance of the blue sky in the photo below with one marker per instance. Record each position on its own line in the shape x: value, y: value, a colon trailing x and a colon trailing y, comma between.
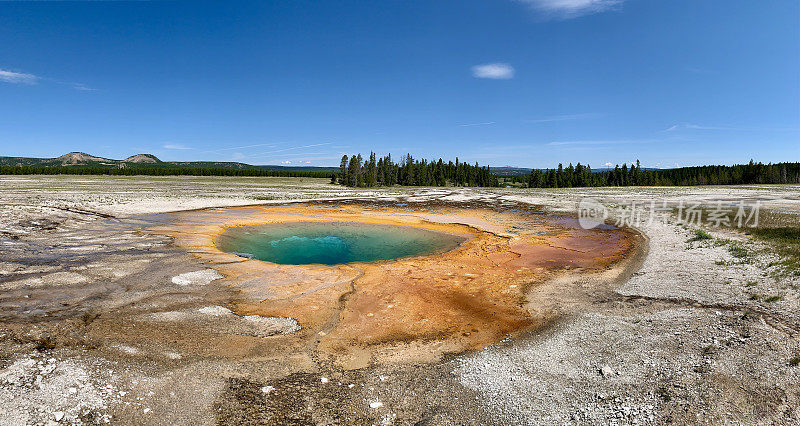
x: 527, y: 83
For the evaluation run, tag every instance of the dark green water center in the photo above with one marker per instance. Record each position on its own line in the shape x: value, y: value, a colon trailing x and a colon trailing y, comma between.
x: 330, y: 243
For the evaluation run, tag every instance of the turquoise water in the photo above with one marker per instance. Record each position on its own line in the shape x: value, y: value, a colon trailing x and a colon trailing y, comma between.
x: 331, y: 243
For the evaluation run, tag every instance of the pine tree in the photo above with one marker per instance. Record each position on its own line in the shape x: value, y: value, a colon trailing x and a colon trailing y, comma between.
x: 343, y: 179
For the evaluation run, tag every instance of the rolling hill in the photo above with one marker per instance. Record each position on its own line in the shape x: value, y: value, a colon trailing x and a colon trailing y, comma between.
x: 82, y: 159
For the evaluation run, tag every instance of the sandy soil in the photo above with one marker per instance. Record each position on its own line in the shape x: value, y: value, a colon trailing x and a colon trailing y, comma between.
x: 689, y: 333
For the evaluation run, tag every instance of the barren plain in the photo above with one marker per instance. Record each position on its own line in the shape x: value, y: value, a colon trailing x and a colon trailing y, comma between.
x: 116, y: 308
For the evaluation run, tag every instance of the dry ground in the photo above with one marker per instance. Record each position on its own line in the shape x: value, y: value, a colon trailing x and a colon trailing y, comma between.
x: 703, y: 331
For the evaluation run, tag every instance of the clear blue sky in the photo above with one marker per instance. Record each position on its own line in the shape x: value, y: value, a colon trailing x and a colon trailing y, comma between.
x: 527, y: 83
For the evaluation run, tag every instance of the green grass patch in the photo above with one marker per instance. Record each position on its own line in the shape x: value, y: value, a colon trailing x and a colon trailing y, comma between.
x: 794, y: 362
x: 700, y: 235
x: 786, y: 243
x: 738, y: 251
x: 773, y: 299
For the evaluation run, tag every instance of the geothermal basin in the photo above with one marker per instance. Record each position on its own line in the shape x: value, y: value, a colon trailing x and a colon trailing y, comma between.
x: 363, y: 282
x: 330, y: 243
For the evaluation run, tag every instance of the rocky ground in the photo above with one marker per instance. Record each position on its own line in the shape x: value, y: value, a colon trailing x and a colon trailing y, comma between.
x: 702, y: 331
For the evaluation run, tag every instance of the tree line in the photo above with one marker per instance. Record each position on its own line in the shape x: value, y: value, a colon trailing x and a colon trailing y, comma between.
x: 155, y: 171
x: 583, y: 176
x: 355, y: 171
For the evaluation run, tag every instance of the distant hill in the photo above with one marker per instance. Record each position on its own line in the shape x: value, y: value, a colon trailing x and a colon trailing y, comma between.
x: 71, y: 159
x: 81, y: 158
x: 78, y: 159
x: 142, y: 158
x: 512, y: 171
x: 608, y: 169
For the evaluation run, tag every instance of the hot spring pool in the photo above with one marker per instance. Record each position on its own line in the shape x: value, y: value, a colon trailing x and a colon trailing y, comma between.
x: 330, y: 243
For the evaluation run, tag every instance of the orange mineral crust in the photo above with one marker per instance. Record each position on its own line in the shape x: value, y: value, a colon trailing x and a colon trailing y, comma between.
x: 413, y: 308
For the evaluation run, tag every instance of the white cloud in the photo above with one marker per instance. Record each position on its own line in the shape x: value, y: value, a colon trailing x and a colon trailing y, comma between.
x: 18, y: 77
x: 688, y: 126
x: 79, y: 86
x: 176, y: 146
x: 608, y: 164
x: 495, y: 71
x: 30, y: 79
x: 488, y: 123
x: 567, y: 9
x: 264, y: 154
x: 286, y: 162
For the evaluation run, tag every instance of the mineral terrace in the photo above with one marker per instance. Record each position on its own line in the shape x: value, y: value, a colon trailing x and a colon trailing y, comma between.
x: 116, y: 306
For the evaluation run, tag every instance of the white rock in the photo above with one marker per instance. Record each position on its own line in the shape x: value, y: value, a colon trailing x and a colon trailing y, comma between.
x: 267, y: 389
x: 197, y: 277
x: 273, y: 325
x: 127, y: 349
x: 217, y: 311
x: 323, y: 379
x: 606, y: 371
x: 376, y: 404
x: 58, y: 415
